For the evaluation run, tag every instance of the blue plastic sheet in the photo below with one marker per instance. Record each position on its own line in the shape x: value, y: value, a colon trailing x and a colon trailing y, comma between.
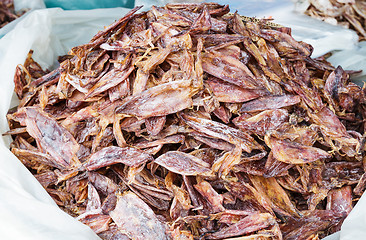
x: 88, y: 4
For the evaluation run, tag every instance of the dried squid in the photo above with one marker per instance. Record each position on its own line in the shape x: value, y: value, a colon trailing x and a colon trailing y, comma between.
x: 190, y: 122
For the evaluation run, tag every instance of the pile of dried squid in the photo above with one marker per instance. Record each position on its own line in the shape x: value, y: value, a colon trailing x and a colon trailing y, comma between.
x: 348, y: 13
x: 186, y: 122
x: 7, y: 12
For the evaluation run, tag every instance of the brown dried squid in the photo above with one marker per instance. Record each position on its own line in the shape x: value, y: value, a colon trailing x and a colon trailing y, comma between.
x: 188, y: 122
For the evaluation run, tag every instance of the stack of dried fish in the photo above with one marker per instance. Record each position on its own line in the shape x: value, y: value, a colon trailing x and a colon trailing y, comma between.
x: 348, y: 13
x: 7, y: 13
x: 186, y: 122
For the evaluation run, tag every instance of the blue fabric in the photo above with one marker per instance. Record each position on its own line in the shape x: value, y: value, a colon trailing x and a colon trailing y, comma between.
x: 88, y: 4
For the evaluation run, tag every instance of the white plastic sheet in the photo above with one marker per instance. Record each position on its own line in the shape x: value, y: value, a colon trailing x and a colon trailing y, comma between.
x: 23, y: 5
x: 27, y: 212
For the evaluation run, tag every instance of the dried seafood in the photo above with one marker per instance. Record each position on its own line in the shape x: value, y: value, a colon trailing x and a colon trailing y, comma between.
x: 188, y: 122
x: 347, y: 13
x: 7, y: 13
